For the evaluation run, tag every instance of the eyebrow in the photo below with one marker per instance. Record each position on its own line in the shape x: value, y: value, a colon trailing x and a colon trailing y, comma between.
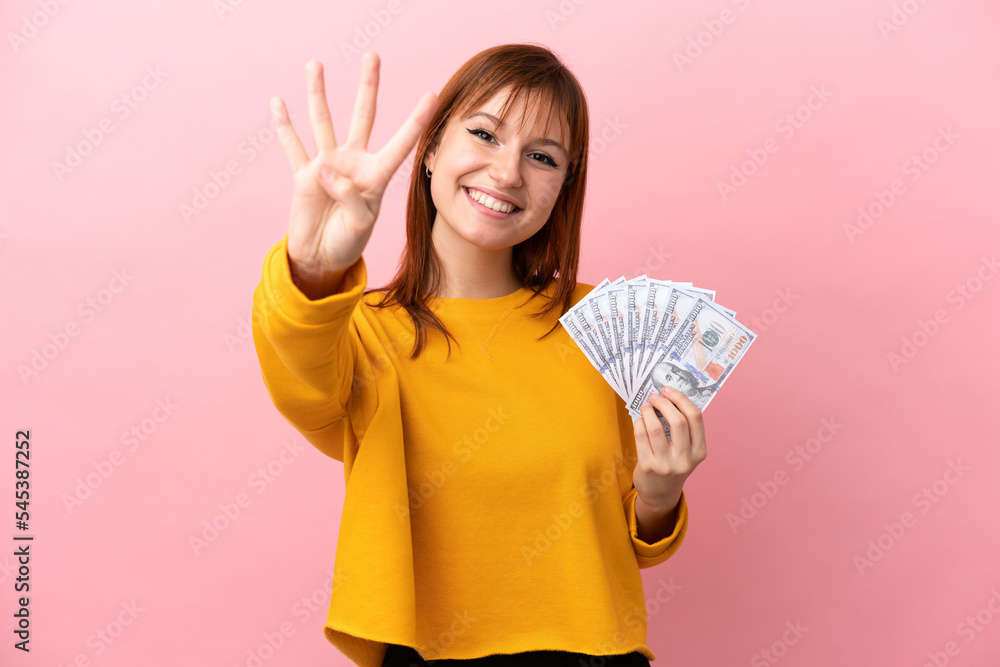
x: 544, y: 141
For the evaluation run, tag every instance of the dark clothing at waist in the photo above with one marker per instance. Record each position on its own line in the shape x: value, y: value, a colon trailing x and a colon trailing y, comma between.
x: 405, y: 656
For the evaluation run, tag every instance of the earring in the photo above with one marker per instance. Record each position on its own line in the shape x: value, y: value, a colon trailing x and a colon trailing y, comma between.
x: 428, y: 171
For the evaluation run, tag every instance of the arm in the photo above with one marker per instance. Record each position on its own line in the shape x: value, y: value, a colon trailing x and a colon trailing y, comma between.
x: 655, y: 535
x: 306, y: 339
x: 652, y: 550
x: 653, y: 524
x: 665, y: 462
x: 308, y: 349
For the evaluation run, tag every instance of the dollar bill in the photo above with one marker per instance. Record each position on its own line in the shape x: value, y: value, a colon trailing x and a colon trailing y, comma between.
x: 586, y: 335
x: 642, y: 333
x: 702, y: 351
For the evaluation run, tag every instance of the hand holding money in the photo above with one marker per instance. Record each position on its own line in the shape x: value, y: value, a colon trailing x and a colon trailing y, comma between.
x: 644, y: 334
x: 663, y: 464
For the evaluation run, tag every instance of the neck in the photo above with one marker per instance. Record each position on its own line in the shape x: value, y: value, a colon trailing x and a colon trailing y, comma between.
x: 469, y: 271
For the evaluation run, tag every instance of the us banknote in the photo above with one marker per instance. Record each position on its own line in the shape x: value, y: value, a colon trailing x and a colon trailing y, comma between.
x: 643, y: 333
x: 701, y: 352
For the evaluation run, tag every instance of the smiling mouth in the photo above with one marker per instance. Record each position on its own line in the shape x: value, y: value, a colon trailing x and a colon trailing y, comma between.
x: 489, y: 203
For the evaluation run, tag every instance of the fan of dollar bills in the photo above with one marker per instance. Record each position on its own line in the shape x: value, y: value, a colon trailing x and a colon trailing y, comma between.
x: 643, y: 333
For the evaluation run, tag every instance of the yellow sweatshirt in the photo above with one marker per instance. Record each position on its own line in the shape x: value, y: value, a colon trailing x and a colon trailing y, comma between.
x: 489, y: 505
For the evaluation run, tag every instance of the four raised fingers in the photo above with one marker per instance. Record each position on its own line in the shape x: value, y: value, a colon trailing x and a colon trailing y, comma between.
x: 389, y: 158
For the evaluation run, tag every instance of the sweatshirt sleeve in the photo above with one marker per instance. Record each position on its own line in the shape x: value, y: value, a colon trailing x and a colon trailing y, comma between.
x: 647, y: 554
x: 308, y: 350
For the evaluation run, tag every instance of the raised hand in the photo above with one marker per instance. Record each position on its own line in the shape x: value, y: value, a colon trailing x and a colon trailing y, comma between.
x: 337, y: 194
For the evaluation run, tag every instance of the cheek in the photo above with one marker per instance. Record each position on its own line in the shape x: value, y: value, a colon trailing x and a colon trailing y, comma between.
x: 454, y: 161
x: 450, y: 171
x: 547, y: 193
x: 461, y: 160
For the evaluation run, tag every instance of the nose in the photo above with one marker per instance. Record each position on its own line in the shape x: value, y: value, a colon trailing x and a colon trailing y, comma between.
x: 505, y: 168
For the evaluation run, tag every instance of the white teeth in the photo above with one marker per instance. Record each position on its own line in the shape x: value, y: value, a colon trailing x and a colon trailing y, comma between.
x: 490, y: 202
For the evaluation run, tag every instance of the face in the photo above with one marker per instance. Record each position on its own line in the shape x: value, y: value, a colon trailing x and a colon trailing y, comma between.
x: 663, y: 374
x: 512, y: 163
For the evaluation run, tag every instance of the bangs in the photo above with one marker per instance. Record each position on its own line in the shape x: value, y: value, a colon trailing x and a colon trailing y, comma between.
x: 545, y: 97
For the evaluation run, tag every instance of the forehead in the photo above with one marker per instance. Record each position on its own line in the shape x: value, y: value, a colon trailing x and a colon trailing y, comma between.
x: 519, y: 118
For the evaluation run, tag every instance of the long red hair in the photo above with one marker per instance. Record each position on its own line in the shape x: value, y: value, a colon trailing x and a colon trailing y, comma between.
x: 552, y: 253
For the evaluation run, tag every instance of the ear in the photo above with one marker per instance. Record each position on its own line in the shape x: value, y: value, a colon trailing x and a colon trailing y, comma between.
x: 430, y: 158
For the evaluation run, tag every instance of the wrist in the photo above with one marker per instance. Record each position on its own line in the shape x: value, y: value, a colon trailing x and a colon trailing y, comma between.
x: 662, y: 507
x: 652, y: 523
x: 316, y: 285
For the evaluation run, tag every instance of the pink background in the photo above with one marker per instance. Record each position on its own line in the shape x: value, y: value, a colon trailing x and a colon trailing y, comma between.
x: 664, y: 134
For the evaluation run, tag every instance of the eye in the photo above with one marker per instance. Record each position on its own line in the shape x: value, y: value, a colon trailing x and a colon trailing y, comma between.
x: 551, y: 162
x: 485, y: 135
x: 480, y: 132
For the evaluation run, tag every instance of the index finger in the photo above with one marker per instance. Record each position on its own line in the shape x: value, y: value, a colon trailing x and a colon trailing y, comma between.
x: 297, y: 155
x: 397, y: 148
x: 696, y: 425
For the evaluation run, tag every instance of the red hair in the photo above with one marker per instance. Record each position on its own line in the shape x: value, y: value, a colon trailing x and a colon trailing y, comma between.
x: 552, y: 254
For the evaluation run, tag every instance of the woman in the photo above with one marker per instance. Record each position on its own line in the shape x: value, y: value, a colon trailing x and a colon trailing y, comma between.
x: 499, y: 501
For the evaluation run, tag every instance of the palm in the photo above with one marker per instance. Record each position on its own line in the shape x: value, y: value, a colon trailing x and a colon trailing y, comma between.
x: 331, y: 219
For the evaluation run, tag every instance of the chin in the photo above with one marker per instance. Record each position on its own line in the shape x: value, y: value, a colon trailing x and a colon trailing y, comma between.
x: 488, y: 239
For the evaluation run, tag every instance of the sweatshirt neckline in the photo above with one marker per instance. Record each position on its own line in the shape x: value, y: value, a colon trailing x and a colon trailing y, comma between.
x: 463, y: 305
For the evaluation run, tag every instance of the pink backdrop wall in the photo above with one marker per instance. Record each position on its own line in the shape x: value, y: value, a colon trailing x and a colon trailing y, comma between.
x: 879, y: 544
